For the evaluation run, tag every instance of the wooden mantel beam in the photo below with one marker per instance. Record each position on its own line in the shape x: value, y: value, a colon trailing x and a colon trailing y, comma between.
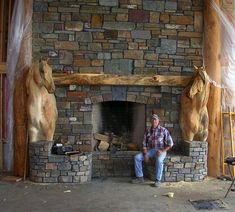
x: 110, y: 79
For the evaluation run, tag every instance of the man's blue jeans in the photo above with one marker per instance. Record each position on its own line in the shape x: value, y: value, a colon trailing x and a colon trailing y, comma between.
x: 158, y: 163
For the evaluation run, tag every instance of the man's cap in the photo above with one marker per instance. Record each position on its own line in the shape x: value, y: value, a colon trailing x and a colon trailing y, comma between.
x: 155, y: 116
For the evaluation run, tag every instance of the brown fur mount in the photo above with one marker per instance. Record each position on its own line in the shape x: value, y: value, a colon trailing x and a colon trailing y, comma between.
x: 41, y: 103
x: 194, y: 115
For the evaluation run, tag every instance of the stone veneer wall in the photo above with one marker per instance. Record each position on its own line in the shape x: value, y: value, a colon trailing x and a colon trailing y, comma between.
x: 117, y: 37
x: 48, y: 168
x: 192, y: 166
x: 107, y: 164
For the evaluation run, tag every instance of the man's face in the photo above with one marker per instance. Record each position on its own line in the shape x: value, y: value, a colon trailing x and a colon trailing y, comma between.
x: 155, y: 122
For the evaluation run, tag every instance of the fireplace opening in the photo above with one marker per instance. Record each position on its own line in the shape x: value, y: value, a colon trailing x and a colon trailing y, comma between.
x: 118, y: 125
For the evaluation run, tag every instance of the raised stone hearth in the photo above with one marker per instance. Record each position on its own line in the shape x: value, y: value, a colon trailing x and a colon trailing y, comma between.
x: 79, y: 168
x: 48, y: 168
x: 189, y: 166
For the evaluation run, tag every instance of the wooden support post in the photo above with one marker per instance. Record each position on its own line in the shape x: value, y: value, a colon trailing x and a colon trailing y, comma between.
x: 211, y: 56
x: 20, y: 118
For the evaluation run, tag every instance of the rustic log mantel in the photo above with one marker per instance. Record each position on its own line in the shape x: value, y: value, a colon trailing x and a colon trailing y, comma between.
x: 110, y: 79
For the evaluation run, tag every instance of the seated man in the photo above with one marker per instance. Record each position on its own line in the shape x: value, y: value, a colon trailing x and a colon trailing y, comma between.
x: 157, y: 140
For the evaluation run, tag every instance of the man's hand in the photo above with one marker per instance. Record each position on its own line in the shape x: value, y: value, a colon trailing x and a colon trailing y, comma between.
x: 159, y: 152
x: 146, y: 158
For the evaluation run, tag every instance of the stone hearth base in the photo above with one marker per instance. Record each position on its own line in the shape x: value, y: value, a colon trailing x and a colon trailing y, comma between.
x: 191, y: 166
x: 119, y: 164
x: 78, y: 168
x: 48, y: 168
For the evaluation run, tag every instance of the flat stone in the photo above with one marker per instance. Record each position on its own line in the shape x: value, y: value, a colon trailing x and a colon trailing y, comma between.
x: 65, y: 179
x: 111, y: 3
x: 181, y: 19
x: 198, y: 21
x: 170, y: 5
x: 86, y: 128
x: 51, y: 16
x: 68, y: 9
x: 67, y: 45
x: 134, y: 54
x: 190, y: 34
x: 182, y: 62
x: 196, y: 42
x: 90, y: 9
x: 96, y: 21
x: 154, y: 5
x: 60, y: 92
x: 66, y: 57
x: 40, y: 7
x: 94, y: 47
x: 120, y: 46
x: 122, y: 17
x: 164, y: 18
x: 74, y: 25
x: 141, y: 34
x: 84, y: 37
x: 111, y: 34
x: 50, y: 180
x: 118, y: 66
x: 150, y: 56
x: 139, y: 16
x: 168, y: 46
x: 142, y: 99
x: 119, y: 93
x: 119, y: 25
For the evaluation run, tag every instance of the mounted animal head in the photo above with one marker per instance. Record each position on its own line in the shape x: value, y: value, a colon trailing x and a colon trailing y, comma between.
x: 46, y: 76
x: 200, y: 80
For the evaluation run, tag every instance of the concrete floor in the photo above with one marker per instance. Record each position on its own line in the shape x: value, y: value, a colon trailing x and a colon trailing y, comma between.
x: 111, y: 195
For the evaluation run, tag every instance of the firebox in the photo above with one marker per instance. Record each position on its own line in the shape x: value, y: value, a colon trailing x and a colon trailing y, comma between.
x: 118, y: 125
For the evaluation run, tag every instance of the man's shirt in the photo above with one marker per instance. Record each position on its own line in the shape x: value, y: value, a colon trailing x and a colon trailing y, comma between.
x: 157, y: 138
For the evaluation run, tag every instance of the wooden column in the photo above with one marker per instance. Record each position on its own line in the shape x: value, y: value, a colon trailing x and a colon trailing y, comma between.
x: 20, y: 117
x: 211, y: 56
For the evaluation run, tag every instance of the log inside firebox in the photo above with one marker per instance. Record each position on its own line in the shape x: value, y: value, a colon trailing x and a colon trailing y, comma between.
x: 109, y: 141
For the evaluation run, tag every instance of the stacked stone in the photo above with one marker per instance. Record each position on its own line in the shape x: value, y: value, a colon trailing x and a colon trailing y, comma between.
x: 48, y: 168
x: 119, y: 36
x: 192, y: 167
x: 106, y: 164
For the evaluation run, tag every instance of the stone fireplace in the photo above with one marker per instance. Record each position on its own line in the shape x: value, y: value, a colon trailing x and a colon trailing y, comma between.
x: 121, y: 110
x: 125, y: 38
